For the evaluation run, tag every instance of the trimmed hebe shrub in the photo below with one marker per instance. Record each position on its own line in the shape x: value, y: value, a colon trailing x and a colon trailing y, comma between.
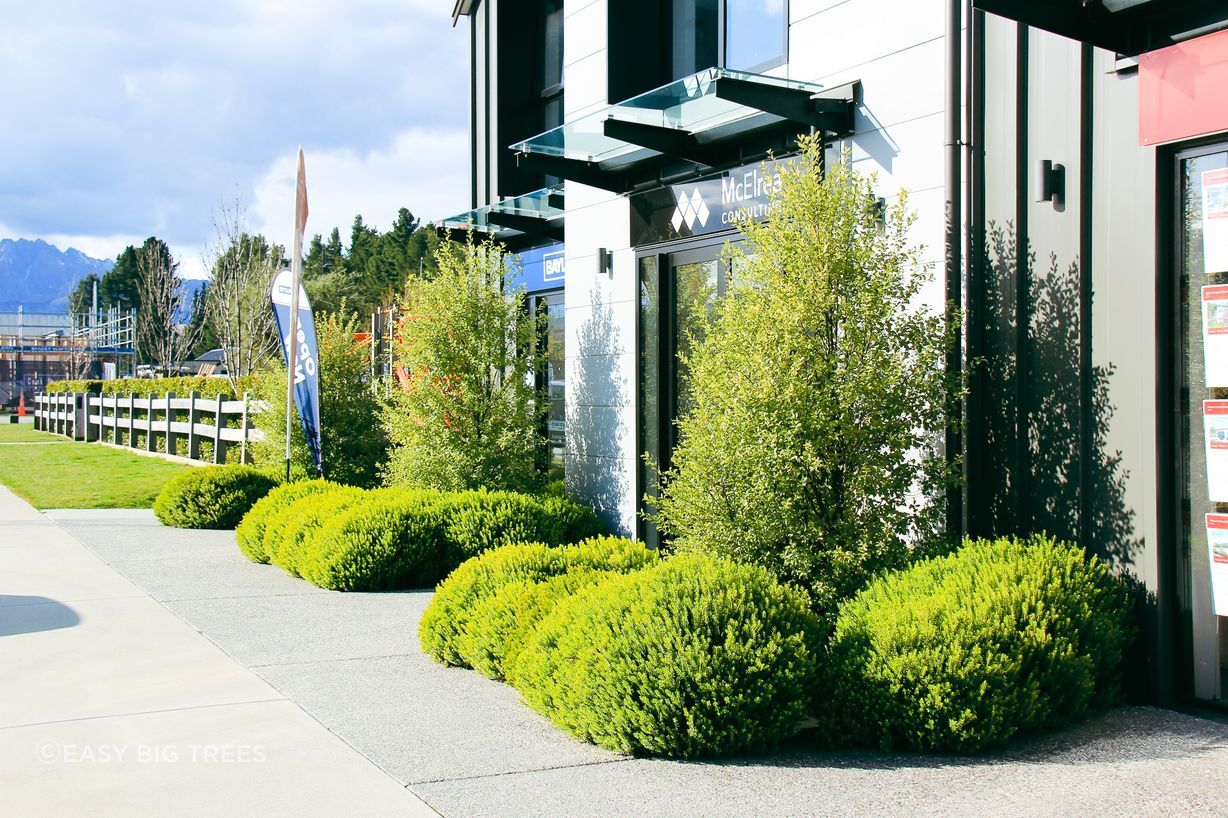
x: 249, y: 533
x: 698, y: 656
x: 392, y: 539
x: 959, y: 653
x: 501, y: 623
x: 211, y: 496
x: 293, y: 526
x: 446, y: 618
x: 446, y: 621
x: 477, y: 521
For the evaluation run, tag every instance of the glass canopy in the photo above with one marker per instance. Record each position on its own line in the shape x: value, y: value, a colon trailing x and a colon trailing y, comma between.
x: 702, y: 106
x: 526, y: 213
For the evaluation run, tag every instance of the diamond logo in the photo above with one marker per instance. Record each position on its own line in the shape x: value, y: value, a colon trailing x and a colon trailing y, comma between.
x: 690, y: 210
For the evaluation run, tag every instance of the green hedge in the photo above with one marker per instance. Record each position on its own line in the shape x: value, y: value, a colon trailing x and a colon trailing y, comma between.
x: 394, y: 539
x: 445, y: 630
x: 211, y: 497
x: 250, y: 531
x: 183, y: 386
x: 698, y: 656
x: 293, y: 529
x: 350, y: 539
x: 960, y: 653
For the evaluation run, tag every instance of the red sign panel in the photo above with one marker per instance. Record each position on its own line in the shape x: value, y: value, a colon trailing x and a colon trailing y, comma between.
x: 1183, y: 90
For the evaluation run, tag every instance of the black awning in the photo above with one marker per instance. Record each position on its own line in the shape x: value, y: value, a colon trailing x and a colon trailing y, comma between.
x: 1128, y: 27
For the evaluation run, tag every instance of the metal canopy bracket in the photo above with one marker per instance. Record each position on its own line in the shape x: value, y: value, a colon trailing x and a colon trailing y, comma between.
x: 670, y: 141
x: 533, y: 226
x: 834, y: 116
x: 575, y: 170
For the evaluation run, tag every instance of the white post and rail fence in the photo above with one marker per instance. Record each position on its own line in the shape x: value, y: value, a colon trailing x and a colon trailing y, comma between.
x: 188, y: 425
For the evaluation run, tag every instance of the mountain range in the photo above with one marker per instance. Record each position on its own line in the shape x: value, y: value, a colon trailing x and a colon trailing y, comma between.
x: 39, y: 276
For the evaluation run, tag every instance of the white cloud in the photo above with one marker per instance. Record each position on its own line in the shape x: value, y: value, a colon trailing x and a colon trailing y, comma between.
x: 425, y: 171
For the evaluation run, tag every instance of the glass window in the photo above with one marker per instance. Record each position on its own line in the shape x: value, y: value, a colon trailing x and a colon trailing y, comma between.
x: 695, y: 28
x: 552, y: 51
x: 1203, y: 271
x: 756, y: 34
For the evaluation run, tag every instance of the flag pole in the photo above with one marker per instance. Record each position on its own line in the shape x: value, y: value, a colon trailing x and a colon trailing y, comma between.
x: 292, y: 344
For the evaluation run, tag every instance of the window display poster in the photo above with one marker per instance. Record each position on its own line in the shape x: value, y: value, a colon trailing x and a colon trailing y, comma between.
x: 1217, y: 550
x: 1215, y: 423
x: 1215, y: 334
x: 1215, y: 221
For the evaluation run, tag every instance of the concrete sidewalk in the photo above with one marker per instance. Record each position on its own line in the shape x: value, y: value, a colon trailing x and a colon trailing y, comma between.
x: 112, y: 705
x: 469, y: 747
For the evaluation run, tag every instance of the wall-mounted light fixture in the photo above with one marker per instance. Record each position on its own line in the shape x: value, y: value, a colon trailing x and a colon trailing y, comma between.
x: 1049, y: 185
x: 605, y: 262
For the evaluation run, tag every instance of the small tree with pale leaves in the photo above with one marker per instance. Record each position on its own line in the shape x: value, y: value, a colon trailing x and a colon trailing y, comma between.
x: 817, y: 393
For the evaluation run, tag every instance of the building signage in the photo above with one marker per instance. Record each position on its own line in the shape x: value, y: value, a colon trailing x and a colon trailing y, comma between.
x: 542, y: 268
x: 704, y: 206
x: 1217, y: 551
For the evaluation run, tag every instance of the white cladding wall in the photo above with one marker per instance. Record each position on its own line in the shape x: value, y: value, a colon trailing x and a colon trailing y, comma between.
x: 895, y: 48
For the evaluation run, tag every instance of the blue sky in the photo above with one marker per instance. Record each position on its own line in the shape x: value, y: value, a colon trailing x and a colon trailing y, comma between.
x: 122, y: 120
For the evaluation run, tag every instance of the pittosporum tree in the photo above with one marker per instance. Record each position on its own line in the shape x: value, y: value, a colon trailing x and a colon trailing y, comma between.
x: 816, y: 393
x: 464, y: 411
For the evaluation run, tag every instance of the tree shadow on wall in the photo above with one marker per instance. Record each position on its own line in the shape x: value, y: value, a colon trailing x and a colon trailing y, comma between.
x: 596, y: 470
x: 1032, y: 397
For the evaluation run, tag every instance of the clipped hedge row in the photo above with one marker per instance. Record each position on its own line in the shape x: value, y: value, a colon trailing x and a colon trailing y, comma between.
x: 464, y: 624
x: 960, y: 653
x: 351, y: 539
x: 694, y: 655
x: 181, y: 386
x: 212, y: 496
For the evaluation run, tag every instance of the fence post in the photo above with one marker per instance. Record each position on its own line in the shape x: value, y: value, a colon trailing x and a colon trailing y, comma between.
x: 131, y: 417
x: 38, y: 404
x: 115, y: 418
x: 77, y: 434
x: 92, y: 433
x: 171, y: 444
x: 193, y: 417
x: 149, y: 423
x: 219, y: 446
x: 243, y: 445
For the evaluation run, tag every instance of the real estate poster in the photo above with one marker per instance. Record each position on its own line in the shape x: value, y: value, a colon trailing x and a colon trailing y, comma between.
x: 1215, y: 425
x: 1215, y: 334
x: 1215, y: 221
x: 1217, y: 551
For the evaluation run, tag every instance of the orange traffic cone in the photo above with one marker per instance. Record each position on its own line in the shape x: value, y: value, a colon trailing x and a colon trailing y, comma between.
x: 21, y: 406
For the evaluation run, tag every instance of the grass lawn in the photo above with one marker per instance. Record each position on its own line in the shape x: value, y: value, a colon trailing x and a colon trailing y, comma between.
x: 65, y: 474
x: 23, y: 433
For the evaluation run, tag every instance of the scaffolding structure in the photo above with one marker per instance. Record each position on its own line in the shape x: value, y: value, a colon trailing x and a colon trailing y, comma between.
x: 38, y: 348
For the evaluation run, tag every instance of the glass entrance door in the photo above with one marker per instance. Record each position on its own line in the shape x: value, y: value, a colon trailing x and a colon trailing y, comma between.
x: 1202, y: 265
x: 677, y: 291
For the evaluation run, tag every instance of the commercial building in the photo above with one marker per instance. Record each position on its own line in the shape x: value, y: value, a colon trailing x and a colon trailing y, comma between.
x: 1068, y: 162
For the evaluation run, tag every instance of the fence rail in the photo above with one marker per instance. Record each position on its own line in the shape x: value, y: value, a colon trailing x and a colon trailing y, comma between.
x: 118, y: 419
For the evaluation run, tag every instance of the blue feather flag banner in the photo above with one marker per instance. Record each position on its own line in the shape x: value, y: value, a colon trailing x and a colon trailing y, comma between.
x: 302, y: 356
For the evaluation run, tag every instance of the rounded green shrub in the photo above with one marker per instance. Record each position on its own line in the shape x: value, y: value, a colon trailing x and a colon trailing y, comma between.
x: 697, y: 656
x: 446, y: 620
x: 211, y: 496
x: 501, y: 623
x: 290, y: 529
x: 249, y: 533
x: 959, y: 653
x: 477, y: 521
x: 392, y: 539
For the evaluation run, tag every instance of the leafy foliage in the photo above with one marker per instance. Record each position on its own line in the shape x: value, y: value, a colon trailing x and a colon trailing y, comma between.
x: 184, y: 386
x: 211, y: 497
x: 444, y: 631
x: 289, y: 534
x: 249, y: 533
x: 354, y: 445
x: 959, y: 653
x: 467, y: 415
x: 698, y: 656
x: 816, y: 393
